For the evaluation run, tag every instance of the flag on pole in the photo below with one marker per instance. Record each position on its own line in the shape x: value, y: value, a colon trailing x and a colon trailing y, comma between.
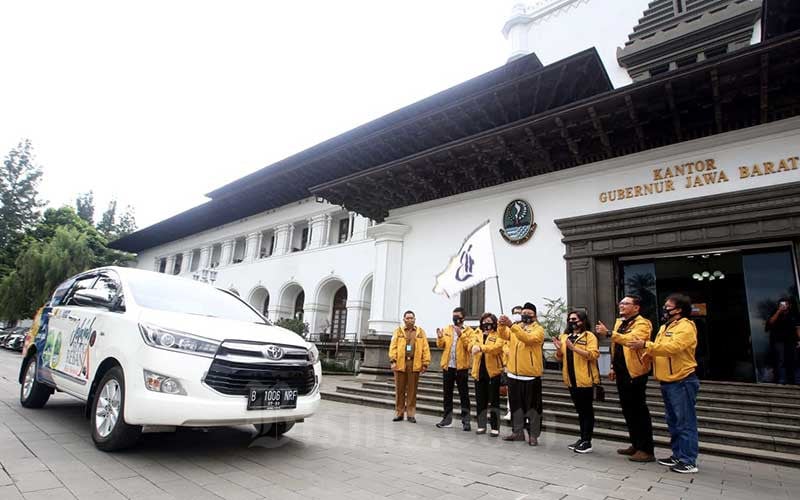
x: 473, y: 264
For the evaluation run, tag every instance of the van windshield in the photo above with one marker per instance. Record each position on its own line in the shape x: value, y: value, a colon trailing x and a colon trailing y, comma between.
x: 189, y: 297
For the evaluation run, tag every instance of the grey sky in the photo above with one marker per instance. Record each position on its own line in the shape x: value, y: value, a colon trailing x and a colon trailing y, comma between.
x: 159, y: 102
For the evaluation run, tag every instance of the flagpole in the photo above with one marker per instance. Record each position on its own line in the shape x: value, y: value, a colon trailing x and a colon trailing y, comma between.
x: 499, y: 297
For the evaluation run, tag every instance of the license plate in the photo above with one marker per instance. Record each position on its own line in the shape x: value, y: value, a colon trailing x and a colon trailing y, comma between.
x: 272, y: 399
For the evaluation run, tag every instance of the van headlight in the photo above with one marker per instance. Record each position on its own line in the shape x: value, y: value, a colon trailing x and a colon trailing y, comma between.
x: 172, y: 340
x: 313, y: 353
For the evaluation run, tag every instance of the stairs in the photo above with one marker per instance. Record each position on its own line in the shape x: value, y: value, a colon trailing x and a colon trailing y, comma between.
x: 750, y: 421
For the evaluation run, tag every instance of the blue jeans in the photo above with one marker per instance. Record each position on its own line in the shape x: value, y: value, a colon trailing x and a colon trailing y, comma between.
x: 681, y: 416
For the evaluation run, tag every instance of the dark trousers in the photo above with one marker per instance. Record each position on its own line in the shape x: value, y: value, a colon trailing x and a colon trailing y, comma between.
x: 633, y: 400
x: 487, y: 396
x: 582, y: 399
x: 452, y: 377
x: 785, y: 355
x: 525, y: 400
x: 680, y: 413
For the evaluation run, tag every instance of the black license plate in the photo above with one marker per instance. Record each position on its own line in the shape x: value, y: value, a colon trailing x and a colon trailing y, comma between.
x: 272, y: 399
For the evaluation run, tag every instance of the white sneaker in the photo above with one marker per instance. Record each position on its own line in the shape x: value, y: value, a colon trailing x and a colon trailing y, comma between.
x: 507, y: 416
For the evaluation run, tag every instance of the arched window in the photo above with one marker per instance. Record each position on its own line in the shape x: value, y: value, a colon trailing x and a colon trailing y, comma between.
x: 298, y: 305
x: 339, y: 316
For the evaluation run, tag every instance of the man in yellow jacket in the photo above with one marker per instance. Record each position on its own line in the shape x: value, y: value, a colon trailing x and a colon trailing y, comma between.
x: 525, y: 364
x: 673, y: 355
x: 630, y: 370
x: 409, y: 356
x: 454, y: 340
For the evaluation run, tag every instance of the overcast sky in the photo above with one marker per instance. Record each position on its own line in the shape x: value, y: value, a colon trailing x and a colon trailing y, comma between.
x: 158, y: 102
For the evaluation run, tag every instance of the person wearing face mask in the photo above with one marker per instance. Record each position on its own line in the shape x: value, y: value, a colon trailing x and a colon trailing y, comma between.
x: 525, y: 364
x: 577, y: 347
x: 673, y: 355
x: 516, y: 318
x: 487, y: 365
x: 409, y: 356
x: 630, y: 371
x: 454, y: 340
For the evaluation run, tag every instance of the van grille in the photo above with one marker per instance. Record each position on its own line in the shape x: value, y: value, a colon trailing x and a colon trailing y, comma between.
x: 236, y: 379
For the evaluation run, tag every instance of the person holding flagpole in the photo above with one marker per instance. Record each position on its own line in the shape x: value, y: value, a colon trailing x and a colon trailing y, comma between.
x: 525, y: 366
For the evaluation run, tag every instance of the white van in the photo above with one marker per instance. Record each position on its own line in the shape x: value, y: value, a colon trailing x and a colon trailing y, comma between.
x: 150, y: 349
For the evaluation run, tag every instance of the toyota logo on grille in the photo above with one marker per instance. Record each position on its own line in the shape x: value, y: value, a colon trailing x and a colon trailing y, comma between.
x: 273, y: 352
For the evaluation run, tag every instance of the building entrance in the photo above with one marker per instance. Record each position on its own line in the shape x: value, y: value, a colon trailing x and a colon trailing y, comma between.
x: 733, y: 291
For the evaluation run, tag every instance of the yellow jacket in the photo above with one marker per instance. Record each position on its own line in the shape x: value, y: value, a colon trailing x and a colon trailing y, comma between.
x: 462, y: 347
x: 397, y: 349
x: 491, y: 349
x: 587, y: 373
x: 639, y: 329
x: 673, y: 350
x: 525, y: 348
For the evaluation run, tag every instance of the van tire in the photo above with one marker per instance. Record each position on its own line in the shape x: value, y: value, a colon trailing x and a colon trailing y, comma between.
x: 120, y: 435
x: 38, y: 393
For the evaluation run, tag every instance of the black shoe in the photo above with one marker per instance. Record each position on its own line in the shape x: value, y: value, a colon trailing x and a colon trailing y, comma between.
x: 683, y: 468
x: 398, y: 418
x: 413, y: 420
x: 444, y: 424
x: 467, y: 427
x: 668, y: 462
x: 583, y: 447
x: 575, y: 444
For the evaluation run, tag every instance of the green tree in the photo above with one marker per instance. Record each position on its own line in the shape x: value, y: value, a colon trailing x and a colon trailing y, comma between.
x: 19, y: 201
x: 84, y: 204
x: 126, y: 224
x: 107, y: 225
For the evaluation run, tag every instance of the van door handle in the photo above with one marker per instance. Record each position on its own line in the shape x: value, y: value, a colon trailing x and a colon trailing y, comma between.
x: 73, y: 318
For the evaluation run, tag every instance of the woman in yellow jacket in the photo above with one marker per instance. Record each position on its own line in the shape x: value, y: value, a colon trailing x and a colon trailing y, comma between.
x: 409, y: 355
x: 577, y: 347
x: 487, y: 365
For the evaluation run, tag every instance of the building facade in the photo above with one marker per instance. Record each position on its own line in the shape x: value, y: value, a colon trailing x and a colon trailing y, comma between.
x: 687, y: 180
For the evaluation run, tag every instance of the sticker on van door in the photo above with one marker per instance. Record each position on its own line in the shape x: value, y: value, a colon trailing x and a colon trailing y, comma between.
x: 70, y: 355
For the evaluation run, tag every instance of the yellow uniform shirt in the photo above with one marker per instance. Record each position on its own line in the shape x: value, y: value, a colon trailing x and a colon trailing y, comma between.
x: 491, y: 350
x: 673, y: 350
x: 421, y: 349
x: 524, y: 348
x: 638, y: 329
x: 587, y: 373
x: 462, y: 347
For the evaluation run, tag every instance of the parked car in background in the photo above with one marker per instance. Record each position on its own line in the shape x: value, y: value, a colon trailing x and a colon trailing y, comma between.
x: 150, y: 349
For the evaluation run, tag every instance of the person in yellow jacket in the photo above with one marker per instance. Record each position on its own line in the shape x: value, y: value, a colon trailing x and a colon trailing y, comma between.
x: 409, y: 356
x: 487, y: 365
x: 577, y: 348
x: 630, y: 369
x: 516, y: 317
x: 525, y: 364
x: 454, y: 340
x: 674, y: 363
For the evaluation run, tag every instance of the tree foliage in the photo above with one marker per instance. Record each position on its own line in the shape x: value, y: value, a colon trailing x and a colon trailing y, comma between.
x: 19, y: 201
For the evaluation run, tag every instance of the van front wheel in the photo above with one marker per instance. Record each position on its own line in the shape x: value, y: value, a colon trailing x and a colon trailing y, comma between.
x: 109, y: 430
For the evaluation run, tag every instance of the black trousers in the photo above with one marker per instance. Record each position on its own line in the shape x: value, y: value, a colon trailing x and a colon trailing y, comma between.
x: 487, y: 396
x: 633, y: 400
x: 452, y: 377
x: 525, y: 401
x: 582, y: 399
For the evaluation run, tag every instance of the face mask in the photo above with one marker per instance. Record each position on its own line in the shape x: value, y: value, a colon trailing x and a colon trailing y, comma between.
x: 527, y: 318
x: 666, y: 313
x: 572, y: 326
x: 487, y: 327
x: 516, y: 318
x: 457, y: 320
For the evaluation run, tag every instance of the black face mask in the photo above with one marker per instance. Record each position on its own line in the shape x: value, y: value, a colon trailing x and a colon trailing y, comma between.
x: 666, y: 314
x: 572, y: 326
x: 527, y: 318
x: 487, y: 327
x: 457, y: 320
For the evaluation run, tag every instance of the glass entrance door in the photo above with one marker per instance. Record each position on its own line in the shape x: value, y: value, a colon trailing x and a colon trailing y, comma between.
x: 732, y: 292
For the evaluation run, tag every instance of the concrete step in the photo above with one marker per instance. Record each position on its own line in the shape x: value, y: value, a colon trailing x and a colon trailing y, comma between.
x: 766, y: 436
x: 656, y: 405
x: 559, y: 426
x: 781, y: 404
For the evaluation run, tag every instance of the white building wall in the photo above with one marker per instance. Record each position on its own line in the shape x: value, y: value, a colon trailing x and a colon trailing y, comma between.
x: 555, y: 29
x: 537, y: 269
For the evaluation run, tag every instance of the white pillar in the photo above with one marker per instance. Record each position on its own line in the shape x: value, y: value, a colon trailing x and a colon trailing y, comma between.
x: 251, y: 247
x: 356, y: 312
x: 170, y: 269
x: 205, y: 257
x: 186, y: 263
x: 317, y: 231
x: 327, y: 238
x: 259, y: 243
x: 227, y: 253
x: 290, y: 237
x: 317, y: 316
x: 281, y: 239
x: 385, y: 313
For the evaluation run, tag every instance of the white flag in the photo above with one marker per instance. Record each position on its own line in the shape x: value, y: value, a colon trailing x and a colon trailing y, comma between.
x: 473, y: 264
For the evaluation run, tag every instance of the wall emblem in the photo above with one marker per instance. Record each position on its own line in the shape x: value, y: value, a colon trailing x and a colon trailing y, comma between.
x: 518, y: 225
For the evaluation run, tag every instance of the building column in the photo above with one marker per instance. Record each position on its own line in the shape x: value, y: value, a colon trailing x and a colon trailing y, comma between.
x: 328, y: 222
x: 186, y: 263
x: 251, y: 247
x: 156, y: 264
x: 357, y: 316
x: 205, y: 258
x: 290, y: 240
x: 227, y: 253
x: 318, y: 318
x: 385, y: 310
x: 259, y: 244
x: 170, y: 269
x: 317, y: 231
x: 281, y: 239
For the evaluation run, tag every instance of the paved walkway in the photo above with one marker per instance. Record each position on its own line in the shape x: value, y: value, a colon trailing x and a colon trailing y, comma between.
x: 343, y: 452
